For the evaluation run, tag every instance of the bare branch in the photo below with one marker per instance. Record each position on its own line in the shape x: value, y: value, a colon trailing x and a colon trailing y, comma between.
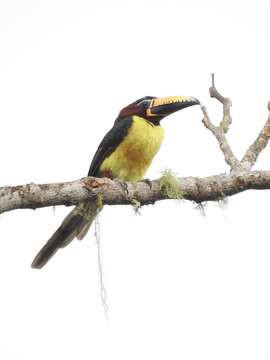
x: 259, y: 144
x: 226, y: 102
x: 219, y: 134
x: 212, y: 188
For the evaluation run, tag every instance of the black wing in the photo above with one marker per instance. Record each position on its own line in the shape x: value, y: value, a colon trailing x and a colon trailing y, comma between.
x: 109, y: 143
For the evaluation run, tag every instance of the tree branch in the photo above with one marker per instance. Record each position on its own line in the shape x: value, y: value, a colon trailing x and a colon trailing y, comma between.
x: 226, y: 102
x: 259, y: 144
x: 211, y: 188
x: 219, y: 134
x: 220, y: 131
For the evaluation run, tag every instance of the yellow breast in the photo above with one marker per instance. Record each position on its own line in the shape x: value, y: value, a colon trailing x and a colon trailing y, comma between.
x: 131, y: 159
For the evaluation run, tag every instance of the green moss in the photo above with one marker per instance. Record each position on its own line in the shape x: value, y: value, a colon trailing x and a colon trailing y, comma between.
x: 90, y: 209
x: 136, y: 204
x: 99, y: 201
x: 170, y: 186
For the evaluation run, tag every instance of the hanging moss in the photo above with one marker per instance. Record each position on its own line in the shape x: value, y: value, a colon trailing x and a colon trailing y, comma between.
x: 136, y: 204
x: 170, y: 186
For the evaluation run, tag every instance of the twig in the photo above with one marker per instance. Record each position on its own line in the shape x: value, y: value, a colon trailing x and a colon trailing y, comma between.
x: 220, y: 131
x: 219, y: 134
x: 226, y: 102
x: 259, y: 144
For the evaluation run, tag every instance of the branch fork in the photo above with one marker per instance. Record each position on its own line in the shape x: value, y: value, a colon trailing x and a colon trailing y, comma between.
x: 211, y: 188
x: 251, y: 155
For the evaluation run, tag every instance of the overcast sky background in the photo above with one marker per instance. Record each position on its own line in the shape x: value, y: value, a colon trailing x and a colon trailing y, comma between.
x: 179, y: 285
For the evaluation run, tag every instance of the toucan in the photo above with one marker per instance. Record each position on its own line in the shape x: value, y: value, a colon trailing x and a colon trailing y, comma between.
x: 125, y: 153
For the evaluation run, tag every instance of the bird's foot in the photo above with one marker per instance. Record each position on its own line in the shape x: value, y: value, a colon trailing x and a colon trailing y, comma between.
x: 148, y: 182
x: 123, y: 185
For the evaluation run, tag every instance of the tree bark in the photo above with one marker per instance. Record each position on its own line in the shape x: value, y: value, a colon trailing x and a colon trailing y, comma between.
x: 211, y: 188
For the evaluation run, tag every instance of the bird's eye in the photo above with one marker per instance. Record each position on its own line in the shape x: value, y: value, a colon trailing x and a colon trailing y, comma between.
x: 144, y: 102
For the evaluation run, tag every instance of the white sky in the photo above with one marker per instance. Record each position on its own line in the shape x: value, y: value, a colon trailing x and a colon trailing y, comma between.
x: 180, y: 286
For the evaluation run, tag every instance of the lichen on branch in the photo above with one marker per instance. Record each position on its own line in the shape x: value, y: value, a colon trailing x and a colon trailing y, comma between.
x: 170, y: 186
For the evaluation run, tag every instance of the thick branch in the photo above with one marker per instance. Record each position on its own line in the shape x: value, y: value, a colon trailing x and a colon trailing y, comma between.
x: 212, y: 188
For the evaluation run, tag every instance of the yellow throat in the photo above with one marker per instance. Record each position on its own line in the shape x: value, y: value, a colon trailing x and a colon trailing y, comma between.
x: 131, y: 159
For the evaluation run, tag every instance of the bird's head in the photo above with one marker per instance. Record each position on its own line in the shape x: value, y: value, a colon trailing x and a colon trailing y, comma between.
x: 155, y: 109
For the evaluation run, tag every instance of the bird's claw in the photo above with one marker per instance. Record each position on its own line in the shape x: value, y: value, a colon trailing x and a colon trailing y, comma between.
x: 148, y: 182
x: 123, y: 185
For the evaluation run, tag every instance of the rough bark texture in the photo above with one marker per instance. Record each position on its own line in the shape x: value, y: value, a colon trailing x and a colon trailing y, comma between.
x: 212, y: 188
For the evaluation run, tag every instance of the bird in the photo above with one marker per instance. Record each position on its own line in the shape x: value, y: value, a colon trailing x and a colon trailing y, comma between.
x: 125, y: 153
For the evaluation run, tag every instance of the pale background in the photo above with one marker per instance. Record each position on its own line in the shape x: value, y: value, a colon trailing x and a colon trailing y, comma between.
x: 180, y: 286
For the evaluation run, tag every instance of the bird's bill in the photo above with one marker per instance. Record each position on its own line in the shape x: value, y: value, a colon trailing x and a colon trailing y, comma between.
x: 167, y: 105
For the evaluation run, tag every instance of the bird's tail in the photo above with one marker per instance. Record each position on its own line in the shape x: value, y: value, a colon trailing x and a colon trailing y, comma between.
x: 75, y: 224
